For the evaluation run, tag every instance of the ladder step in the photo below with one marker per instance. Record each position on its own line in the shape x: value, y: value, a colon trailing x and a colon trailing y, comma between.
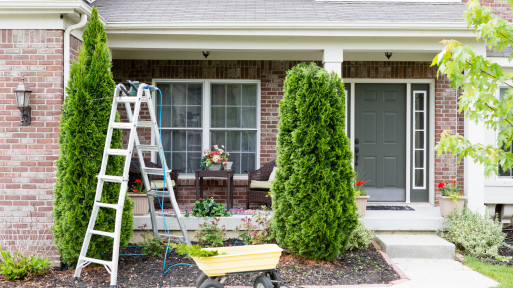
x: 114, y: 179
x: 103, y: 233
x: 144, y: 124
x: 130, y: 99
x: 118, y: 152
x: 122, y: 125
x: 158, y: 193
x: 180, y: 238
x: 97, y: 261
x: 107, y: 205
x: 155, y: 171
x: 167, y: 214
x: 148, y: 147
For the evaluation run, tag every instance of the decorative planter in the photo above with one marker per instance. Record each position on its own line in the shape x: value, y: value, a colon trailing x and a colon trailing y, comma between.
x: 228, y: 165
x: 141, y: 205
x: 215, y: 166
x: 361, y: 203
x: 447, y: 205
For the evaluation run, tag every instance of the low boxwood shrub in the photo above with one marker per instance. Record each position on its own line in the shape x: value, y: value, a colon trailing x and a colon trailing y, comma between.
x: 475, y: 234
x: 361, y: 237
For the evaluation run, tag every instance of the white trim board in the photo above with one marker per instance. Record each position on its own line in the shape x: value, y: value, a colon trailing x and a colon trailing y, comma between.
x: 431, y: 120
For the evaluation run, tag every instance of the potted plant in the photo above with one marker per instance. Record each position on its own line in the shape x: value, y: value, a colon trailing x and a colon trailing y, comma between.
x: 452, y: 197
x: 214, y: 160
x: 138, y: 195
x: 361, y: 197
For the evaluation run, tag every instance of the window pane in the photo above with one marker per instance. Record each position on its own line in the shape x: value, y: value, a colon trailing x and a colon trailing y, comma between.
x: 218, y: 94
x: 194, y: 116
x: 233, y: 117
x: 419, y: 159
x: 419, y: 101
x: 247, y: 162
x: 248, y: 118
x: 233, y: 94
x: 249, y: 94
x: 419, y: 120
x: 179, y: 141
x: 218, y: 117
x: 179, y: 113
x: 419, y: 178
x: 249, y: 141
x: 419, y: 139
x: 194, y: 94
x: 166, y: 94
x: 233, y: 141
x: 178, y: 94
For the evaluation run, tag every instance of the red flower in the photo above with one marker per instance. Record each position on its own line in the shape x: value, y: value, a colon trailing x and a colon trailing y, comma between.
x: 358, y: 183
x: 136, y: 191
x: 453, y: 182
x: 137, y: 181
x: 441, y: 185
x: 461, y: 192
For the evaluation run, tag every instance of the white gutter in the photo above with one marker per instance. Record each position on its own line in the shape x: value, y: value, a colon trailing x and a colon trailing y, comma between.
x: 67, y: 46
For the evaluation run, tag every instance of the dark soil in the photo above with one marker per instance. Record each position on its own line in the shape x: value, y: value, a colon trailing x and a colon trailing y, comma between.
x: 504, y: 251
x: 355, y: 267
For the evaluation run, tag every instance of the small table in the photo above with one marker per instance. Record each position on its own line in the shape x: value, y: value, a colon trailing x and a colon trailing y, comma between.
x: 228, y: 174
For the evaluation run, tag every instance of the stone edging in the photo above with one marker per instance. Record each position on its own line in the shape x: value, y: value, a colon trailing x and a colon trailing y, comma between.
x: 402, y: 275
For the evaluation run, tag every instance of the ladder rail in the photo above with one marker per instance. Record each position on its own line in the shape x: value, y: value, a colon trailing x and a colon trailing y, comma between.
x: 143, y: 95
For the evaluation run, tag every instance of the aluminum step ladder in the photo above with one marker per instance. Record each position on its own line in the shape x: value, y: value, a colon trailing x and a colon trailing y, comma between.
x: 120, y: 97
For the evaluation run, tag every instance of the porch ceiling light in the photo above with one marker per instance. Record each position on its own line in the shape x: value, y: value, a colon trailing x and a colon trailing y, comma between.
x: 22, y: 94
x: 205, y: 53
x: 388, y: 55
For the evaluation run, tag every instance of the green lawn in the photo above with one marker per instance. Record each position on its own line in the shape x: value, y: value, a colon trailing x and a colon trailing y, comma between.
x: 501, y: 274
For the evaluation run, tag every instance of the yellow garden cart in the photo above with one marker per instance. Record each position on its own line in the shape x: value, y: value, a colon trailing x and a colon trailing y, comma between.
x: 239, y: 260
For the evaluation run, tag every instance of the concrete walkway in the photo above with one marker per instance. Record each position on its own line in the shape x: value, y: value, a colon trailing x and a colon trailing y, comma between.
x: 439, y: 273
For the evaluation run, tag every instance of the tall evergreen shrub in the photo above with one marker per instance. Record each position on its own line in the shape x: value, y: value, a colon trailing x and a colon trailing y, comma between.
x: 314, y: 207
x: 83, y: 127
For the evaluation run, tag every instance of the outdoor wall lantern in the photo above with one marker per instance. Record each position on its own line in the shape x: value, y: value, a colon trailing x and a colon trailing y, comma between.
x: 22, y: 94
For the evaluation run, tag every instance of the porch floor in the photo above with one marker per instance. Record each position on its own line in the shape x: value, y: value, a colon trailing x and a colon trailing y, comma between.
x: 425, y: 218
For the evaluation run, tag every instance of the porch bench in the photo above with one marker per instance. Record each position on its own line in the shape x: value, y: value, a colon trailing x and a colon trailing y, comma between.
x: 259, y: 185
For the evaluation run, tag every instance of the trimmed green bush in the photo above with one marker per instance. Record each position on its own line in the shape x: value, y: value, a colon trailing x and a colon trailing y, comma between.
x: 83, y: 127
x: 314, y: 207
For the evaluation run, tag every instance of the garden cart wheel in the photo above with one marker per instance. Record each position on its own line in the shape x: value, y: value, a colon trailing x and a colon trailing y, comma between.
x: 211, y: 283
x: 275, y: 279
x: 201, y: 278
x: 263, y: 281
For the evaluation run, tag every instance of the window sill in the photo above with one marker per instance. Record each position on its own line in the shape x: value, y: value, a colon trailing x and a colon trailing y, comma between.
x: 192, y: 177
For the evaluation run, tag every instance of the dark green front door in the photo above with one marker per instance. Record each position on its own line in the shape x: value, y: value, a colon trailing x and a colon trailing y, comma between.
x: 380, y: 140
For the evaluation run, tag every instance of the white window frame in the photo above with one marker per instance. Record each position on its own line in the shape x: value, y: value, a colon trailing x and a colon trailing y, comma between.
x: 205, y: 123
x: 497, y: 176
x: 424, y: 147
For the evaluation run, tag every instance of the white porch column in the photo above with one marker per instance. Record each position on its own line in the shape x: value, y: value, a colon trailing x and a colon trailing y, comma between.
x: 332, y: 59
x: 474, y: 172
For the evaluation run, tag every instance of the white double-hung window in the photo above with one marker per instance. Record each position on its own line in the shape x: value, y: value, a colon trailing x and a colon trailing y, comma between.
x: 199, y: 114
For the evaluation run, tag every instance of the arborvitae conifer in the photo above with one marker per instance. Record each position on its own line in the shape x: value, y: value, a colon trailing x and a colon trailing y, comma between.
x: 84, y: 124
x: 314, y: 207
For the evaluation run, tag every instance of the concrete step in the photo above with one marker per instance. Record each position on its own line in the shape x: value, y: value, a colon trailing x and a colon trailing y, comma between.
x: 416, y: 246
x: 425, y: 218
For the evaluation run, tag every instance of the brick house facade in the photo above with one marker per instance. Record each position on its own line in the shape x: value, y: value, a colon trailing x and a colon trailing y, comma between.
x: 28, y: 153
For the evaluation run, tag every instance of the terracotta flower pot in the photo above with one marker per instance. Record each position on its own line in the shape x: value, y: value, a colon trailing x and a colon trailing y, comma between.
x: 361, y: 204
x: 141, y: 205
x: 447, y: 205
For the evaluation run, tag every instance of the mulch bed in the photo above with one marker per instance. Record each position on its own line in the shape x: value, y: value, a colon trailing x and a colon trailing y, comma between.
x: 354, y: 267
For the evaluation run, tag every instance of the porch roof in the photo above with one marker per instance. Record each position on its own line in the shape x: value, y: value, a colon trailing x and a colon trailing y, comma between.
x: 179, y: 11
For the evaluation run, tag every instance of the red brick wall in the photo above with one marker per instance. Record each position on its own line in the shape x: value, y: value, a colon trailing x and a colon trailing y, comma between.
x: 75, y: 44
x: 500, y: 8
x: 28, y: 153
x: 270, y: 73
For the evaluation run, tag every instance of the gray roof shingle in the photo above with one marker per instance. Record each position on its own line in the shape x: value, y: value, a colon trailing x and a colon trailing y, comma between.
x: 174, y: 11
